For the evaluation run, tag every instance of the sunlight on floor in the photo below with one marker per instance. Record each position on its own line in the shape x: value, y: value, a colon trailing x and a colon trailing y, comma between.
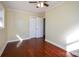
x: 19, y: 38
x: 19, y: 43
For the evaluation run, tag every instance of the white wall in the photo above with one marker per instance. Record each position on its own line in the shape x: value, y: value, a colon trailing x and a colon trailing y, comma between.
x: 3, y: 38
x: 18, y: 23
x: 60, y: 20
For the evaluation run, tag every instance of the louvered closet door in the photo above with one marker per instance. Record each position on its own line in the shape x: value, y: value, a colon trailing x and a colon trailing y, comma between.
x: 39, y: 27
x: 32, y: 25
x: 35, y: 27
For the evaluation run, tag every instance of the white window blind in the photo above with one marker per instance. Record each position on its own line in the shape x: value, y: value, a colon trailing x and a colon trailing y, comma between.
x: 1, y: 17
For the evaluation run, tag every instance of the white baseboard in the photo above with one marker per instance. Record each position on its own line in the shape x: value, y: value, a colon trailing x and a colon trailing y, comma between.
x: 4, y: 46
x: 55, y: 44
x: 18, y: 39
x: 27, y: 39
x: 68, y: 54
x: 24, y: 38
x: 2, y: 49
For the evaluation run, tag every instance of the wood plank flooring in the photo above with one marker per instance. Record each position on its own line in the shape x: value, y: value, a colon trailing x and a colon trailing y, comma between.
x: 33, y: 48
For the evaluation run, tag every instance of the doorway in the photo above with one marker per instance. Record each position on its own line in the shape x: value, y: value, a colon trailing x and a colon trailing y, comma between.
x: 36, y: 27
x: 44, y: 21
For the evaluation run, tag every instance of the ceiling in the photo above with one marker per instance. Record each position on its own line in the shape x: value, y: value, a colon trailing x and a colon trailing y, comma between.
x: 26, y: 6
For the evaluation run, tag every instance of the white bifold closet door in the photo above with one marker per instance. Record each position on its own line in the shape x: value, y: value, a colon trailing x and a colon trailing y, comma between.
x: 35, y: 27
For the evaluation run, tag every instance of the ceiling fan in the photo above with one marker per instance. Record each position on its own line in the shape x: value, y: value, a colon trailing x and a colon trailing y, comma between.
x: 40, y: 4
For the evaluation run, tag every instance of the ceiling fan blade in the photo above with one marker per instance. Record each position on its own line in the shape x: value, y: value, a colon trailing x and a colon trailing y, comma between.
x: 32, y: 1
x: 46, y: 5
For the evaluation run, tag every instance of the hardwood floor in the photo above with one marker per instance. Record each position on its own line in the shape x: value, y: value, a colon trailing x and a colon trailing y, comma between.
x: 33, y: 48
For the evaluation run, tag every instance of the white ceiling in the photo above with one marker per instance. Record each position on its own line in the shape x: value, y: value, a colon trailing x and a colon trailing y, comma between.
x: 26, y: 6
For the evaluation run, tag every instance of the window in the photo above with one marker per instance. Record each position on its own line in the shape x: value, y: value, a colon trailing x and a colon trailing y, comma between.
x: 1, y: 18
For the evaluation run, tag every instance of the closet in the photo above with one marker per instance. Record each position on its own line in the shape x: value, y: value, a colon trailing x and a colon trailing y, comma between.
x: 35, y: 27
